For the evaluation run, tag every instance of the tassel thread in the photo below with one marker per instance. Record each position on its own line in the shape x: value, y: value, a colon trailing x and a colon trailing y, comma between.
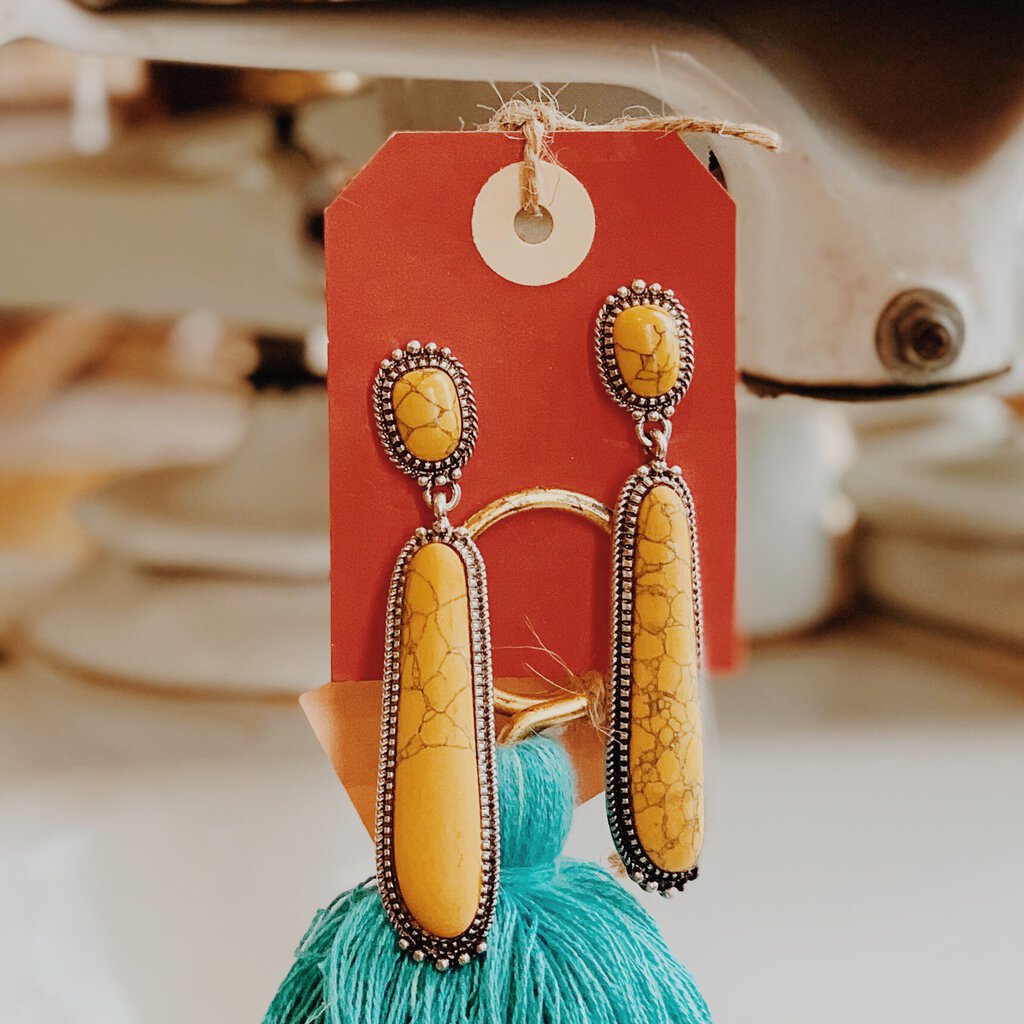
x: 568, y: 944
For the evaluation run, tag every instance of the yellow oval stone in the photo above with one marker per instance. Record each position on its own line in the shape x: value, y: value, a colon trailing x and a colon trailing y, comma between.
x: 437, y: 821
x: 427, y: 413
x: 666, y: 753
x: 646, y: 342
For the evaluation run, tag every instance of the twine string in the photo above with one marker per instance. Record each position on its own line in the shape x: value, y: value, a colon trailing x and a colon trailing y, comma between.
x: 590, y: 684
x: 535, y: 120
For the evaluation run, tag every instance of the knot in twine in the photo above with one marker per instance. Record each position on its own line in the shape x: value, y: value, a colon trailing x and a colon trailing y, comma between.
x: 593, y: 686
x: 536, y: 119
x: 590, y: 685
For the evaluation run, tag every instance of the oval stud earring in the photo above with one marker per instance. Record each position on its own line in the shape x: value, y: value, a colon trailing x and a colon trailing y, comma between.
x: 654, y: 768
x: 437, y: 814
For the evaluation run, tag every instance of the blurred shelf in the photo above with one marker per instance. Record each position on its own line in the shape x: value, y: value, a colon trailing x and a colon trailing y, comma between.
x: 643, y: 51
x: 357, y: 36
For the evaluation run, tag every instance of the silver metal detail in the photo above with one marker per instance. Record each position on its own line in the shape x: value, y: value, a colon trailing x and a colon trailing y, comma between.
x: 439, y: 502
x: 655, y: 432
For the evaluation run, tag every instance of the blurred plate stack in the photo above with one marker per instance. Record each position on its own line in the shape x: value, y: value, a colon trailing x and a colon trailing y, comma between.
x: 209, y: 579
x: 86, y: 397
x: 938, y: 493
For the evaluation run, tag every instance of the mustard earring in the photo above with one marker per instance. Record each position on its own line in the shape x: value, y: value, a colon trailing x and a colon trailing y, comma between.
x: 437, y: 814
x: 654, y: 771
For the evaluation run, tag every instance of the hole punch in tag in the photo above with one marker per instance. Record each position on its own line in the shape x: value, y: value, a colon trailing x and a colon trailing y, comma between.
x: 503, y: 241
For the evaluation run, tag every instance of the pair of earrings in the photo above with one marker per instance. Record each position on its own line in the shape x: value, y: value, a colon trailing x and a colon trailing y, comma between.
x: 437, y: 815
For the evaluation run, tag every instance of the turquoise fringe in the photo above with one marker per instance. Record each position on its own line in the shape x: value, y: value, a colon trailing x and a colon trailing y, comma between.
x: 569, y: 945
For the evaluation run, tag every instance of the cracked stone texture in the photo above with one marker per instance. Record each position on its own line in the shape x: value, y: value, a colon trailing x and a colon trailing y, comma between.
x: 437, y: 838
x: 427, y: 413
x: 646, y: 342
x: 665, y: 749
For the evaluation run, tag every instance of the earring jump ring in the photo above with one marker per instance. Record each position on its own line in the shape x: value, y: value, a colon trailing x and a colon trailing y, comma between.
x: 535, y: 499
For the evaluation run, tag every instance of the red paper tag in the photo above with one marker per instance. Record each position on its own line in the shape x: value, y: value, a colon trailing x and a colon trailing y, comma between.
x: 402, y: 264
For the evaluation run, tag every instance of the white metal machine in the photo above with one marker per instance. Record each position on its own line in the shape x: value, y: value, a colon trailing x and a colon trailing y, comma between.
x: 858, y: 277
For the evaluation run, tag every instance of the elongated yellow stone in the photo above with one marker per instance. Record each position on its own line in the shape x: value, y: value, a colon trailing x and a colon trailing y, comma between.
x: 437, y: 823
x: 666, y: 754
x: 646, y: 342
x: 427, y: 413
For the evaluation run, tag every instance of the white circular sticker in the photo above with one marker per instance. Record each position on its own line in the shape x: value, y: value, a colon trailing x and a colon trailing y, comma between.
x: 542, y: 262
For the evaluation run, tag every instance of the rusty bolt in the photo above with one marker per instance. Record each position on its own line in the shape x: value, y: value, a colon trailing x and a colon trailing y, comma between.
x: 920, y: 331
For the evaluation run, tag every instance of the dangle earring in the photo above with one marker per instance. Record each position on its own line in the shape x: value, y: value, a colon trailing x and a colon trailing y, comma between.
x: 654, y: 771
x: 437, y: 814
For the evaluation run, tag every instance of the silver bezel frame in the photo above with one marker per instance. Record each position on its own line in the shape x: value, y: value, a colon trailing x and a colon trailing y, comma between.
x: 416, y: 356
x: 640, y: 294
x: 618, y: 795
x: 420, y: 944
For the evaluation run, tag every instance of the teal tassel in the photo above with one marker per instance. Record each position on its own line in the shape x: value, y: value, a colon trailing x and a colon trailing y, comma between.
x: 568, y: 945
